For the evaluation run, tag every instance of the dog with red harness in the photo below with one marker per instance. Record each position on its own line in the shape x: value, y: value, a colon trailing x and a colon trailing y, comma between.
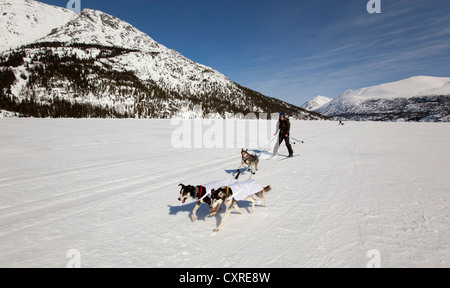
x: 202, y: 193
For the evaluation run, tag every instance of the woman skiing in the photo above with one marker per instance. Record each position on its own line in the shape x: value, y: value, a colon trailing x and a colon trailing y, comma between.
x: 283, y: 128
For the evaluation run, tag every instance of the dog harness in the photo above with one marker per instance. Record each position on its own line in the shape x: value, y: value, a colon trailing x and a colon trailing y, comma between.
x: 216, y: 185
x: 199, y: 193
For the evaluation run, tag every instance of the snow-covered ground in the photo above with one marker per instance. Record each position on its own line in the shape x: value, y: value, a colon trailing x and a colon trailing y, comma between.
x: 108, y: 188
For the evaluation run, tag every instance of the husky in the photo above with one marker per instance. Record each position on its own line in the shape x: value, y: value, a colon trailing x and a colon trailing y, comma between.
x: 201, y: 194
x: 249, y: 160
x: 230, y: 195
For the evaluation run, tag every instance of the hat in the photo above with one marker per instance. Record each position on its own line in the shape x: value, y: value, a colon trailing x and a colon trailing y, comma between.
x: 283, y: 114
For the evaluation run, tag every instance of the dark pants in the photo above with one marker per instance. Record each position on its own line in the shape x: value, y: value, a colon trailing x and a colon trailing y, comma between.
x: 282, y: 137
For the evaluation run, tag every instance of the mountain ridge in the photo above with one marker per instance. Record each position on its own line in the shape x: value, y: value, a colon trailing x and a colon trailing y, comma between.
x: 418, y: 98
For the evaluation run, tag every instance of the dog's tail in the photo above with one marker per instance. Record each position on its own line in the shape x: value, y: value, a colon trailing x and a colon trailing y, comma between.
x: 266, y: 189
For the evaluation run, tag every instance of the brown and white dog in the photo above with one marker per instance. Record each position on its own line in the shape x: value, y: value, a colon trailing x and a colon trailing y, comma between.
x: 225, y: 195
x: 249, y: 160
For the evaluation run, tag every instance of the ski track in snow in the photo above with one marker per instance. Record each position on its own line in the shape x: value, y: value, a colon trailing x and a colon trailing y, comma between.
x: 109, y: 188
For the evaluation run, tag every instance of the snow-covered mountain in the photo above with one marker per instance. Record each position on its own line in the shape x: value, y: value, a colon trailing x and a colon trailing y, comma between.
x: 25, y: 21
x: 96, y: 27
x: 96, y: 65
x: 421, y: 98
x: 316, y: 103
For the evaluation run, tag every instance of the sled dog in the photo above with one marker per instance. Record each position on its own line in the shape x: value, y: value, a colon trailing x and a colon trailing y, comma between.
x: 229, y: 195
x: 249, y: 160
x: 202, y: 194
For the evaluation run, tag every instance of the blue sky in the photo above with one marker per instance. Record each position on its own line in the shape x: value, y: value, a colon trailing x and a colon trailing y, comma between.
x: 295, y: 50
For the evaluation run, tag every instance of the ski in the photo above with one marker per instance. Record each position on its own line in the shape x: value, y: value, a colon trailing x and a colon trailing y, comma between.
x: 286, y: 158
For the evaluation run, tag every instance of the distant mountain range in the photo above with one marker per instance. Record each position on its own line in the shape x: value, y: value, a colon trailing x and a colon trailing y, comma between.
x: 316, y: 103
x: 421, y: 98
x: 63, y: 64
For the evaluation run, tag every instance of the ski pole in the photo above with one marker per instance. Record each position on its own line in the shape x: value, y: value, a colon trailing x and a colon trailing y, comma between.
x: 267, y: 145
x: 300, y: 141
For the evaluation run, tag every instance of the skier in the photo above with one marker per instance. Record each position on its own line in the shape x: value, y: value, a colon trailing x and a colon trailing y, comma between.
x: 283, y: 128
